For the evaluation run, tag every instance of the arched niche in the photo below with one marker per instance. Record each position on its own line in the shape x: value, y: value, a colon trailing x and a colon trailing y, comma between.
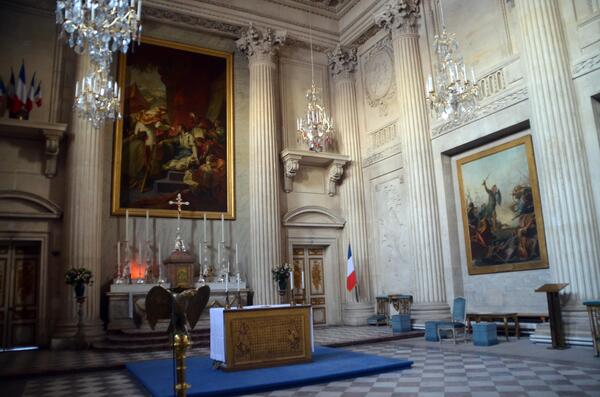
x: 25, y: 205
x: 313, y: 216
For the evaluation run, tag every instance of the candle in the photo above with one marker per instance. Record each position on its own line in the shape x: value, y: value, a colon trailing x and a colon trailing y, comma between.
x: 219, y: 255
x: 222, y: 228
x: 292, y: 280
x: 140, y: 261
x: 147, y: 224
x: 126, y: 225
x: 139, y: 10
x: 77, y: 88
x: 226, y: 283
x: 237, y: 259
x: 159, y: 256
x: 237, y: 279
x: 430, y: 83
x: 118, y: 253
x: 302, y: 279
x: 204, y: 225
x: 473, y: 75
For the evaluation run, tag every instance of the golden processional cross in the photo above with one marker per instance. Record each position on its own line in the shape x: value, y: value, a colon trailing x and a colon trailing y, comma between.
x: 179, y: 245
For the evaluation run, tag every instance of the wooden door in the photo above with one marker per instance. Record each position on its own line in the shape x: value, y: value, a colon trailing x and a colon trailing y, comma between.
x: 19, y: 274
x: 310, y: 260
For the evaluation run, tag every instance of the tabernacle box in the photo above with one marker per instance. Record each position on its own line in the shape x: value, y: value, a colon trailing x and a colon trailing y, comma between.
x: 261, y: 336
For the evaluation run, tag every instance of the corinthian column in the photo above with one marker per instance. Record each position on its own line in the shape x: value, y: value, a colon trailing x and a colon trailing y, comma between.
x: 400, y: 18
x: 82, y: 223
x: 265, y: 228
x: 342, y: 64
x: 570, y: 221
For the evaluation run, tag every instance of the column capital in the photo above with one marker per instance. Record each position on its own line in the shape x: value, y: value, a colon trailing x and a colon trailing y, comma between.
x: 260, y: 45
x: 342, y: 62
x: 400, y: 16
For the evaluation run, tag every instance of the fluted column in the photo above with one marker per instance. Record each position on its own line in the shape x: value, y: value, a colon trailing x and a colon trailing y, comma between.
x: 82, y: 222
x: 570, y: 222
x: 342, y: 64
x: 265, y: 225
x: 400, y: 18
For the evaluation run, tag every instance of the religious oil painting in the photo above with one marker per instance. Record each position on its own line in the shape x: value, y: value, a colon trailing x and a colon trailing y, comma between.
x: 176, y: 135
x: 501, y: 210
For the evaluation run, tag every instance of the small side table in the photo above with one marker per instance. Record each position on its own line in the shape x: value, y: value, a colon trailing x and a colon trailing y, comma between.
x: 593, y: 308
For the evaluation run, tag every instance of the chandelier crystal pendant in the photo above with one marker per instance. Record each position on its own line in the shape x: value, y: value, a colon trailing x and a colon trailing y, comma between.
x: 99, y: 28
x: 315, y: 128
x: 451, y: 95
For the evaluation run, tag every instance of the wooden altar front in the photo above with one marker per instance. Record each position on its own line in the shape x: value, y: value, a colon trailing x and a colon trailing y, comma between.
x: 261, y: 336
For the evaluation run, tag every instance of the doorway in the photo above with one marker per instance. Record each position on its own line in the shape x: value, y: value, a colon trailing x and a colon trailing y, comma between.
x: 310, y: 260
x: 19, y: 280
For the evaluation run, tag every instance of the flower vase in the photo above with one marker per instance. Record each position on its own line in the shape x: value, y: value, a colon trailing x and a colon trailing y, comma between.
x: 79, y: 290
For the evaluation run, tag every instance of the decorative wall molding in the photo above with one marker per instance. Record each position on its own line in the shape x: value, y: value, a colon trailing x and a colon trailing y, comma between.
x: 382, y: 155
x: 292, y: 218
x: 379, y: 81
x: 46, y: 209
x: 383, y: 136
x: 192, y: 21
x: 586, y: 66
x: 495, y: 104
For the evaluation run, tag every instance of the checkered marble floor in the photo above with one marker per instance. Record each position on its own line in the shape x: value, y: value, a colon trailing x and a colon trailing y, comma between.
x: 436, y: 372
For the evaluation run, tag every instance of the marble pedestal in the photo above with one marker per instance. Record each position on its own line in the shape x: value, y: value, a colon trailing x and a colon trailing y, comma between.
x: 357, y: 313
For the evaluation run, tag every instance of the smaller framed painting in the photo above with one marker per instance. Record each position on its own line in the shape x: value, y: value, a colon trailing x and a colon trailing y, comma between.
x: 501, y: 209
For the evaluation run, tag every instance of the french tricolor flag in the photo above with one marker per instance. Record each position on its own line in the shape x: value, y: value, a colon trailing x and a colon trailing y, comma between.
x: 21, y: 90
x: 350, y: 272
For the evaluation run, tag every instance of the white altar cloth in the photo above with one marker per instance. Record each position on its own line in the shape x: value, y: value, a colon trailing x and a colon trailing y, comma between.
x: 217, y: 330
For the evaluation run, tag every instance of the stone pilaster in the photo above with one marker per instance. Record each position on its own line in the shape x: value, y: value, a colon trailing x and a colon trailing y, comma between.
x: 342, y: 64
x: 265, y: 224
x: 570, y: 222
x: 400, y: 18
x: 82, y: 223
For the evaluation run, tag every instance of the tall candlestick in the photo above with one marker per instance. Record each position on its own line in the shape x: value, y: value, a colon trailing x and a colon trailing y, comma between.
x: 204, y: 225
x: 159, y: 256
x: 237, y: 279
x: 226, y: 283
x: 222, y: 228
x: 147, y: 224
x: 126, y: 225
x: 118, y: 253
x: 219, y: 255
x: 140, y: 259
x: 237, y: 259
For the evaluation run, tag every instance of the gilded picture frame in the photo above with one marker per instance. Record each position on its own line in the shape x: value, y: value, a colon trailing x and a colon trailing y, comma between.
x: 501, y: 209
x: 177, y: 131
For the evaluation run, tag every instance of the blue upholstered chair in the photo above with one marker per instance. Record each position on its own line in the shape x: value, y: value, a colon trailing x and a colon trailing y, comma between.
x: 457, y: 324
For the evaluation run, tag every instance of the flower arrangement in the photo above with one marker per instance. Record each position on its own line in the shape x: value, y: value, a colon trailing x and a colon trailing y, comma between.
x: 281, y: 272
x: 80, y: 275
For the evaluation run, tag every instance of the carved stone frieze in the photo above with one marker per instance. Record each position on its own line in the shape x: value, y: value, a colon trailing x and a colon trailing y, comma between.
x: 586, y: 66
x: 342, y: 61
x: 260, y: 45
x: 382, y: 155
x: 192, y: 21
x: 399, y: 16
x: 496, y: 104
x: 378, y: 76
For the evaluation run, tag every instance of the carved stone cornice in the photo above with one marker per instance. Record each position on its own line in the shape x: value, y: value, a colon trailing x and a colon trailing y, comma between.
x: 399, y: 16
x: 586, y: 66
x: 260, y: 45
x: 294, y: 159
x: 192, y: 21
x: 342, y: 62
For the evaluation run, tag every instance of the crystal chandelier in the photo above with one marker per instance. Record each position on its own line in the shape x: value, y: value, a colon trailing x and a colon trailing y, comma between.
x: 450, y: 93
x: 103, y: 26
x: 98, y: 98
x: 99, y: 27
x: 315, y: 128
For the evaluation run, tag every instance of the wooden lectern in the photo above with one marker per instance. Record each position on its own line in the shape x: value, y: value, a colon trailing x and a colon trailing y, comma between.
x: 556, y: 325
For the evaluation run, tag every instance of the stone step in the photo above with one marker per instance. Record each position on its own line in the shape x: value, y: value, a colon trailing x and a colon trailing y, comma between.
x: 135, y: 332
x: 137, y: 348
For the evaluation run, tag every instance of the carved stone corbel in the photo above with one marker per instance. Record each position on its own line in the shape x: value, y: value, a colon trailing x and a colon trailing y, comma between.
x: 291, y: 165
x: 53, y: 138
x: 335, y: 173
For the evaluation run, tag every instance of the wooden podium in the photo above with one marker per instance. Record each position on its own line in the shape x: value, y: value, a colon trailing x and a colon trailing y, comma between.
x: 556, y: 324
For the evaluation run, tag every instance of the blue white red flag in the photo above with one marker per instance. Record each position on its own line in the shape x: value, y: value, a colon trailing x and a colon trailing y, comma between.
x: 15, y: 104
x: 350, y: 272
x: 30, y: 95
x: 37, y: 97
x: 21, y: 91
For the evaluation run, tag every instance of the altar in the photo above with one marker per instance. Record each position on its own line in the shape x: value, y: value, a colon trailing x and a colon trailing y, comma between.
x: 261, y: 336
x: 125, y: 302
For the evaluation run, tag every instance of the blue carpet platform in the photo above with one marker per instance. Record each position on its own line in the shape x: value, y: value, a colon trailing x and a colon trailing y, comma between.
x: 328, y: 365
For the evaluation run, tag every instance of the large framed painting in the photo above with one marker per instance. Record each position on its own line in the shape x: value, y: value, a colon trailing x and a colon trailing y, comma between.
x: 176, y: 135
x: 501, y: 210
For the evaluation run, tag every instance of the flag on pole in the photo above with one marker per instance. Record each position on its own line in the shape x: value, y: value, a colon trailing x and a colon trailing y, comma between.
x: 22, y: 86
x: 350, y: 272
x: 14, y: 103
x: 37, y: 97
x: 30, y: 95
